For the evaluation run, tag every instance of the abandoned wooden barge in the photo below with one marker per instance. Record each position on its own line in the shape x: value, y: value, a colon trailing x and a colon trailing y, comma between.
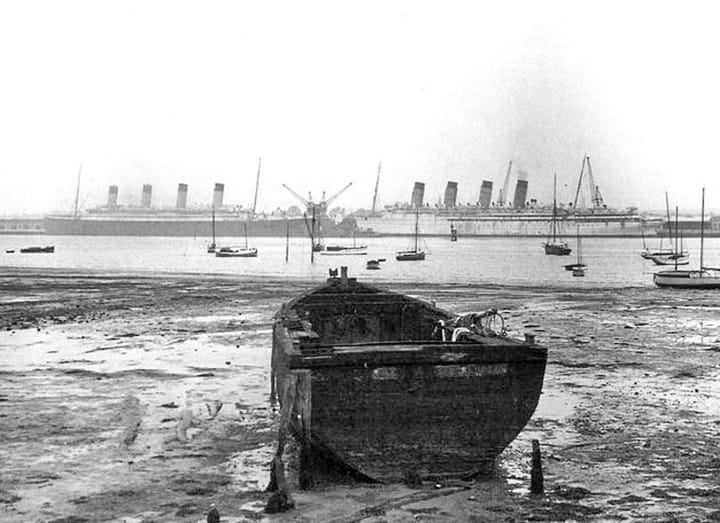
x: 392, y: 387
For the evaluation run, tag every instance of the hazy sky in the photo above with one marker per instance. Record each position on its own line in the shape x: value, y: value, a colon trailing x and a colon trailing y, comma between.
x: 164, y: 92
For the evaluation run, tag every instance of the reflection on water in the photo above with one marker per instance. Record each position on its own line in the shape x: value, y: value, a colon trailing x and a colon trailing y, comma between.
x: 519, y: 261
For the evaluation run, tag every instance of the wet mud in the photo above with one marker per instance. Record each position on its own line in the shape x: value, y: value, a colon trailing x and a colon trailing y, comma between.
x: 136, y: 398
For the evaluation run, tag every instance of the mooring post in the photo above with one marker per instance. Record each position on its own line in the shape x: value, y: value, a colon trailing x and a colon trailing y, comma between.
x: 536, y: 474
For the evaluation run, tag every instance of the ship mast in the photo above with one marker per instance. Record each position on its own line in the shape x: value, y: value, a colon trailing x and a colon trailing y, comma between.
x: 257, y: 184
x: 377, y: 182
x: 554, y: 217
x: 77, y: 194
x: 702, y: 231
x: 417, y: 217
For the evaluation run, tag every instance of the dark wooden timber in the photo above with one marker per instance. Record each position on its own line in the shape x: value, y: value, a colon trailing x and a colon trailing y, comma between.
x: 384, y: 391
x: 536, y: 473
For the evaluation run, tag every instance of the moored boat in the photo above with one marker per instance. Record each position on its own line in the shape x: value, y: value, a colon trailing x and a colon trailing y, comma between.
x: 337, y: 250
x: 373, y: 265
x: 577, y: 268
x: 554, y: 244
x: 702, y: 278
x: 673, y: 258
x: 707, y: 278
x: 414, y: 254
x: 387, y: 386
x: 236, y: 252
x: 38, y: 249
x: 212, y: 245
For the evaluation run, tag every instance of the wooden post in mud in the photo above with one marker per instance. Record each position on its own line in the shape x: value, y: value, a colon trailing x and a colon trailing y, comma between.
x: 287, y: 241
x: 280, y: 500
x: 536, y: 474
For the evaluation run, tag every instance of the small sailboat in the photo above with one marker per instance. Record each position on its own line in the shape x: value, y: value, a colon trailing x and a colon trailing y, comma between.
x: 677, y: 256
x: 342, y: 250
x: 238, y: 252
x: 38, y: 249
x: 554, y: 244
x: 577, y: 268
x: 413, y: 254
x: 703, y: 278
x: 647, y: 253
x: 669, y: 256
x: 212, y: 246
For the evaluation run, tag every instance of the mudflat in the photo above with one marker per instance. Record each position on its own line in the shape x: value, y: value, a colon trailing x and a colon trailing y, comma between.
x: 138, y: 398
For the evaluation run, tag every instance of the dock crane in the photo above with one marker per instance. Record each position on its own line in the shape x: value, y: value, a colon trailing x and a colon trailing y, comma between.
x: 595, y: 196
x: 320, y: 208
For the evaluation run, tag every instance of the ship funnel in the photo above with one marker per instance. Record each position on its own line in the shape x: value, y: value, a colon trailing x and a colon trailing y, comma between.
x: 146, y: 195
x: 418, y: 194
x: 218, y: 195
x: 485, y: 194
x: 112, y: 196
x: 450, y: 194
x: 520, y: 194
x: 181, y: 202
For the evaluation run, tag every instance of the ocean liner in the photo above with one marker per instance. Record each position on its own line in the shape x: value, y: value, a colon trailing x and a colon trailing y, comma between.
x: 502, y: 217
x: 112, y: 219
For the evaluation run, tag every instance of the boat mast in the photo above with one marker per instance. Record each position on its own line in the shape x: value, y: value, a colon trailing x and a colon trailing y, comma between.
x: 377, y: 182
x: 77, y: 193
x: 554, y: 216
x: 417, y: 217
x: 312, y: 237
x: 676, y: 238
x: 257, y: 184
x: 579, y: 257
x: 702, y: 231
x: 669, y: 223
x: 287, y: 239
x: 213, y: 224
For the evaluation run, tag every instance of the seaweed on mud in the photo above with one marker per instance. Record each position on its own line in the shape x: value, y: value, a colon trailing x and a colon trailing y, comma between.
x: 561, y: 511
x: 8, y: 497
x: 570, y: 492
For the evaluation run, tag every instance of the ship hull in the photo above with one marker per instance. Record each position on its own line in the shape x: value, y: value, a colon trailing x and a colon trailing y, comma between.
x: 493, y: 224
x: 200, y: 226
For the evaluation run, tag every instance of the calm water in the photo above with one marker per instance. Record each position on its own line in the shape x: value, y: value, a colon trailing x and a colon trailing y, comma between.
x: 516, y: 261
